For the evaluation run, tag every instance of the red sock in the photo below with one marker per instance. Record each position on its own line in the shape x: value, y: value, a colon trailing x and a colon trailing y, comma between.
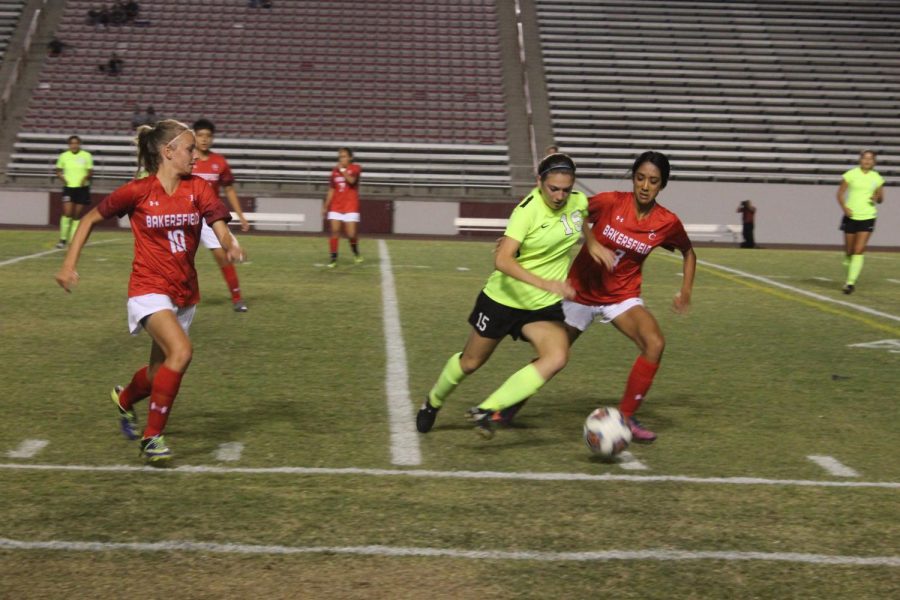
x: 231, y: 279
x: 165, y: 388
x: 639, y: 381
x: 138, y: 389
x: 332, y: 245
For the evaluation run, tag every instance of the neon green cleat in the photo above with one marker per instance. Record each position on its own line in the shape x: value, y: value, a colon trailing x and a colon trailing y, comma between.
x: 357, y: 259
x: 128, y: 422
x: 154, y: 449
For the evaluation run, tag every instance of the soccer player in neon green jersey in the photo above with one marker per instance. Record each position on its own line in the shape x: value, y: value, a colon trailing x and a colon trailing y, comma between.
x: 861, y: 189
x: 522, y: 297
x: 74, y: 168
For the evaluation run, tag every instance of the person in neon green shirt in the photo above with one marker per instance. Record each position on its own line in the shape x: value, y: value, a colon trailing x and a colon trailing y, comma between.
x: 861, y: 189
x: 74, y: 168
x: 522, y: 297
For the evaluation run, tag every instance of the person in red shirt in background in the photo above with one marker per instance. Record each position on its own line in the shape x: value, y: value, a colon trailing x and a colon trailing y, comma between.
x: 213, y: 167
x: 166, y: 210
x: 748, y: 216
x: 342, y: 204
x: 631, y: 224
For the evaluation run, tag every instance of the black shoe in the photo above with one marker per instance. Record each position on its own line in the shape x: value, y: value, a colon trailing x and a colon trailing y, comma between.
x: 505, y: 416
x: 848, y: 289
x: 482, y: 420
x: 426, y: 416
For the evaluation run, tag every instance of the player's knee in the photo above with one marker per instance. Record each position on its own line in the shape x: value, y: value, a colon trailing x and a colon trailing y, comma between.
x: 181, y: 356
x: 556, y: 360
x: 470, y: 364
x: 654, y: 345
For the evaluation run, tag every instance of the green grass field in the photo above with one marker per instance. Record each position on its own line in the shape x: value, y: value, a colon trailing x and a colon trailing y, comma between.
x: 756, y: 379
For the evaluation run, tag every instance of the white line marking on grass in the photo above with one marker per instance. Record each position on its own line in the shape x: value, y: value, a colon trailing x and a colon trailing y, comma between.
x: 487, y: 475
x: 402, y: 551
x: 833, y: 466
x: 404, y: 438
x: 894, y: 280
x: 823, y: 279
x: 820, y: 297
x: 467, y: 269
x: 28, y: 449
x: 229, y: 451
x: 630, y: 463
x: 11, y: 261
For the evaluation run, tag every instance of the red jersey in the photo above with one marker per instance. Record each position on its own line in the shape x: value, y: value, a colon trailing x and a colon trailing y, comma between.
x: 345, y: 198
x: 616, y: 226
x: 166, y: 233
x: 215, y: 170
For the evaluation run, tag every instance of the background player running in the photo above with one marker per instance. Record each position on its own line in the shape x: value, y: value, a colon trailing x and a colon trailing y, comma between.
x: 213, y: 167
x: 165, y: 209
x: 860, y: 190
x: 522, y: 296
x: 74, y: 168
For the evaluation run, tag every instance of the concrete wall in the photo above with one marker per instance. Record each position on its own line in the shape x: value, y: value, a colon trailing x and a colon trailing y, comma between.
x: 24, y: 208
x: 426, y: 218
x: 312, y: 209
x: 785, y: 214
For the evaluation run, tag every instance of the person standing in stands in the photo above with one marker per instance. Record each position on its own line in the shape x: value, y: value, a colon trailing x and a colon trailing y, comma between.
x: 213, y: 167
x: 342, y: 205
x: 166, y: 209
x: 861, y: 189
x: 74, y: 168
x: 748, y: 216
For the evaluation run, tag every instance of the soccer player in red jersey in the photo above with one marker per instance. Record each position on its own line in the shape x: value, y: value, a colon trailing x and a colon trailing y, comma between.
x: 342, y: 204
x: 213, y: 167
x: 166, y: 209
x: 631, y: 224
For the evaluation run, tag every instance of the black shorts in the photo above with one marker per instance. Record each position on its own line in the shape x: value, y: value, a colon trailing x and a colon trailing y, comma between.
x: 494, y: 320
x: 77, y: 195
x: 849, y: 225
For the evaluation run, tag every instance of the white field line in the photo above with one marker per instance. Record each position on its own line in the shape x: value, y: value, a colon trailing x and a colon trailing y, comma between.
x: 422, y: 473
x: 630, y: 463
x: 12, y: 261
x: 229, y: 451
x: 28, y: 449
x: 894, y: 280
x: 796, y: 290
x: 833, y: 466
x: 402, y: 551
x: 404, y: 438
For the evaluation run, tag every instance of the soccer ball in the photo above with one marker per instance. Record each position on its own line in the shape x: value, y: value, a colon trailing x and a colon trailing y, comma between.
x: 606, y: 433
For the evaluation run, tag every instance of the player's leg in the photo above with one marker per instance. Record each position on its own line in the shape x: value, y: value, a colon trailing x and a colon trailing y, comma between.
x: 859, y: 242
x: 75, y: 217
x: 849, y: 242
x: 229, y: 272
x: 65, y: 218
x: 335, y: 226
x: 639, y: 325
x: 171, y: 343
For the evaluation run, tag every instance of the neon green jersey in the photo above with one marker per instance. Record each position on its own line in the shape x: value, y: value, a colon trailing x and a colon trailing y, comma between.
x: 75, y: 167
x: 860, y: 187
x: 546, y: 236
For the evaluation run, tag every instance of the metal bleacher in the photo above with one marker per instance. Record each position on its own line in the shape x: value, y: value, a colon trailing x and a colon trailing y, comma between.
x: 413, y: 86
x: 10, y: 12
x: 737, y: 91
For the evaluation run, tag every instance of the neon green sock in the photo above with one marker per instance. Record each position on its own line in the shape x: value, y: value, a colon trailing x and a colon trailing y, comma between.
x: 846, y: 261
x: 72, y: 227
x: 523, y: 383
x: 64, y: 223
x: 856, y: 265
x: 450, y: 377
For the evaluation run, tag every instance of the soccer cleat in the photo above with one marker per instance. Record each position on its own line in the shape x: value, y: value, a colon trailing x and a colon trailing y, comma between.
x: 331, y: 265
x: 426, y: 416
x: 127, y: 419
x: 848, y: 289
x: 239, y: 306
x: 61, y: 244
x: 505, y: 416
x: 482, y: 420
x: 357, y: 259
x: 154, y: 449
x: 638, y: 433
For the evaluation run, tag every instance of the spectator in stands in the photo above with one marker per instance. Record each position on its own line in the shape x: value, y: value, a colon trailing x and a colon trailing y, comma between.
x: 214, y: 168
x: 56, y: 46
x: 166, y: 210
x: 342, y: 204
x: 861, y: 189
x: 132, y: 10
x: 551, y: 149
x: 99, y: 16
x: 113, y: 66
x: 748, y: 216
x: 147, y: 117
x: 259, y: 3
x: 522, y: 297
x: 74, y: 168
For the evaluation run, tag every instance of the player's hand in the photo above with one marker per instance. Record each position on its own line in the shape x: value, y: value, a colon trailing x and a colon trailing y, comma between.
x: 324, y: 210
x: 848, y: 212
x: 561, y: 288
x: 236, y: 254
x: 602, y: 255
x: 67, y: 278
x: 245, y: 225
x: 681, y: 303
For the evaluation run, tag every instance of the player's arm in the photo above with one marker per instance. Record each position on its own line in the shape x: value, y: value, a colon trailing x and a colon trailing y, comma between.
x: 505, y: 262
x: 87, y: 178
x: 327, y: 204
x: 233, y: 250
x: 59, y: 175
x: 235, y: 203
x: 842, y: 191
x: 682, y: 301
x: 600, y: 253
x: 67, y: 276
x: 878, y: 196
x: 350, y: 175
